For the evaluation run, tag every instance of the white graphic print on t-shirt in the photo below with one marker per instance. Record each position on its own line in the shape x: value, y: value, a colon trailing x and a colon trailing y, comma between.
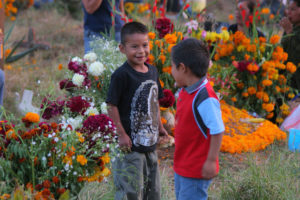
x: 144, y: 114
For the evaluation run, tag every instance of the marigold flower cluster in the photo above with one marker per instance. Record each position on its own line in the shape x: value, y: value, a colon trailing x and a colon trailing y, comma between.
x: 259, y: 69
x: 244, y: 136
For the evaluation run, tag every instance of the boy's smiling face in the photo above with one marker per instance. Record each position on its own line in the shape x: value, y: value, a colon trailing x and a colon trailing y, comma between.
x: 136, y: 49
x: 294, y: 13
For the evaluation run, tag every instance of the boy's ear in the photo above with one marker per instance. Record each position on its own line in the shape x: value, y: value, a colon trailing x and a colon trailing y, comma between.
x: 182, y: 67
x: 122, y: 48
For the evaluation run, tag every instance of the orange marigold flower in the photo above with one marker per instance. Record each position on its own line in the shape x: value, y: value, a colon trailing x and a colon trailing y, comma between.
x: 60, y: 66
x: 163, y: 120
x: 151, y: 35
x: 270, y: 115
x: 231, y: 17
x: 81, y: 159
x: 170, y: 38
x: 245, y: 94
x: 291, y: 67
x: 162, y: 84
x: 265, y: 11
x: 170, y: 47
x: 251, y: 90
x: 267, y: 82
x: 268, y: 107
x: 259, y: 94
x: 247, y: 57
x: 31, y: 117
x: 167, y: 69
x: 162, y: 58
x: 105, y: 159
x: 274, y: 39
x: 266, y: 98
x: 291, y: 95
x: 233, y: 99
x: 279, y: 120
x: 271, y: 16
x: 151, y: 59
x: 240, y: 85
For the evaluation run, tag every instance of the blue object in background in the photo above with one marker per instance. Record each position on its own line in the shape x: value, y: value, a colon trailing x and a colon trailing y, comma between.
x: 39, y: 3
x: 294, y: 140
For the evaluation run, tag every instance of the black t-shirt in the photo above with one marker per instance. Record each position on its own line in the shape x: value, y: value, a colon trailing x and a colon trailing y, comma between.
x: 136, y: 96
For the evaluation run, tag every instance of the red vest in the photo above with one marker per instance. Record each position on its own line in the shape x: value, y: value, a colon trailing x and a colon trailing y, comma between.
x: 191, y: 146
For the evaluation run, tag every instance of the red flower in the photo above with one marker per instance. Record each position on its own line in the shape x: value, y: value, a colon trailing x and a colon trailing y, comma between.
x: 164, y: 26
x: 242, y: 66
x: 66, y: 84
x: 75, y: 67
x: 47, y: 184
x: 52, y: 108
x: 168, y: 99
x: 186, y: 6
x: 77, y: 104
x: 55, y: 179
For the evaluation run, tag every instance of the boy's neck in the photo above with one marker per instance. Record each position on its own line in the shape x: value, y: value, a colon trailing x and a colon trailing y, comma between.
x: 191, y: 80
x: 139, y: 68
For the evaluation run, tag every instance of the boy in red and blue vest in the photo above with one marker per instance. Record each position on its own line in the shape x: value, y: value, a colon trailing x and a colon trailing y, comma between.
x: 199, y: 125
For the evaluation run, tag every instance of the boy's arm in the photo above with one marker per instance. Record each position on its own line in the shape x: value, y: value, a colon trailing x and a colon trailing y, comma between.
x: 209, y: 168
x: 124, y: 140
x: 91, y: 5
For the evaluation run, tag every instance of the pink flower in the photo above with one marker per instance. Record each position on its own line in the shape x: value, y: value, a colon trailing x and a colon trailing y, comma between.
x: 52, y: 108
x: 66, y: 84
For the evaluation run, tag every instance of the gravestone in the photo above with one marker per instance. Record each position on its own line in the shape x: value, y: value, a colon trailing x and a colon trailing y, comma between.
x: 25, y: 105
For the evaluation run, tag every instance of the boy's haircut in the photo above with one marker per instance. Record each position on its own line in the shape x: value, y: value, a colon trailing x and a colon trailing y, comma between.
x: 132, y: 28
x: 193, y: 54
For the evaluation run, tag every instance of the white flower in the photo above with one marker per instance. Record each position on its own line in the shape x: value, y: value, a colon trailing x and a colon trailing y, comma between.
x: 74, y: 173
x: 91, y: 111
x: 90, y: 57
x: 78, y: 79
x: 104, y: 108
x: 44, y: 158
x: 96, y: 68
x: 56, y: 139
x: 75, y: 122
x: 77, y: 59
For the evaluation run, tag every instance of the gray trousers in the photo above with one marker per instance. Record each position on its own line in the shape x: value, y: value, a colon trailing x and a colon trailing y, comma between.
x: 136, y: 177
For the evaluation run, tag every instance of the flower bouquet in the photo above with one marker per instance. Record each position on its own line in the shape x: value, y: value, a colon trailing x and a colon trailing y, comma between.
x: 50, y: 159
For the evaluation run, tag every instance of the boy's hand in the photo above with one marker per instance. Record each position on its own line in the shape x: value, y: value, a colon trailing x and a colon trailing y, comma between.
x: 286, y: 25
x: 209, y: 169
x: 162, y: 131
x: 125, y: 143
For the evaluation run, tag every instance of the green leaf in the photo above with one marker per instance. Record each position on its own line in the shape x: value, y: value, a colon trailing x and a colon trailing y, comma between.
x: 14, y: 58
x: 7, y: 34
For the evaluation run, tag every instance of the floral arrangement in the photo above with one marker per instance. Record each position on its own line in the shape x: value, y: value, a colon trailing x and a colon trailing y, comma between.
x: 50, y: 158
x: 251, y: 73
x: 161, y: 43
x: 244, y: 133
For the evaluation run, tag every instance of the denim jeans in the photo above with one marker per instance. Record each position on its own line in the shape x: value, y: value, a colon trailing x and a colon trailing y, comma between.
x: 191, y: 188
x: 89, y: 36
x: 2, y: 83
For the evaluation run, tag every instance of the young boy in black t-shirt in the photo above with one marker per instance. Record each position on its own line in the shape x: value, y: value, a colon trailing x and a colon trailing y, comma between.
x: 133, y: 105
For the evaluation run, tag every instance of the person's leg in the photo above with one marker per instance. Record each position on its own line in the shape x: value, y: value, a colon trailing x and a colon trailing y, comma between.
x: 2, y: 83
x: 87, y: 40
x: 152, y: 191
x: 191, y: 188
x: 177, y: 184
x: 128, y: 176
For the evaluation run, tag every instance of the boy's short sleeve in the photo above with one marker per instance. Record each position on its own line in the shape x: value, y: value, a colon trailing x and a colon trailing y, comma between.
x: 211, y: 115
x: 116, y: 87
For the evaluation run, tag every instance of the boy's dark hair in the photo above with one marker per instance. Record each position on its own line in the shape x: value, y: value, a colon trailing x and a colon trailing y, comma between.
x: 132, y: 28
x: 193, y: 54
